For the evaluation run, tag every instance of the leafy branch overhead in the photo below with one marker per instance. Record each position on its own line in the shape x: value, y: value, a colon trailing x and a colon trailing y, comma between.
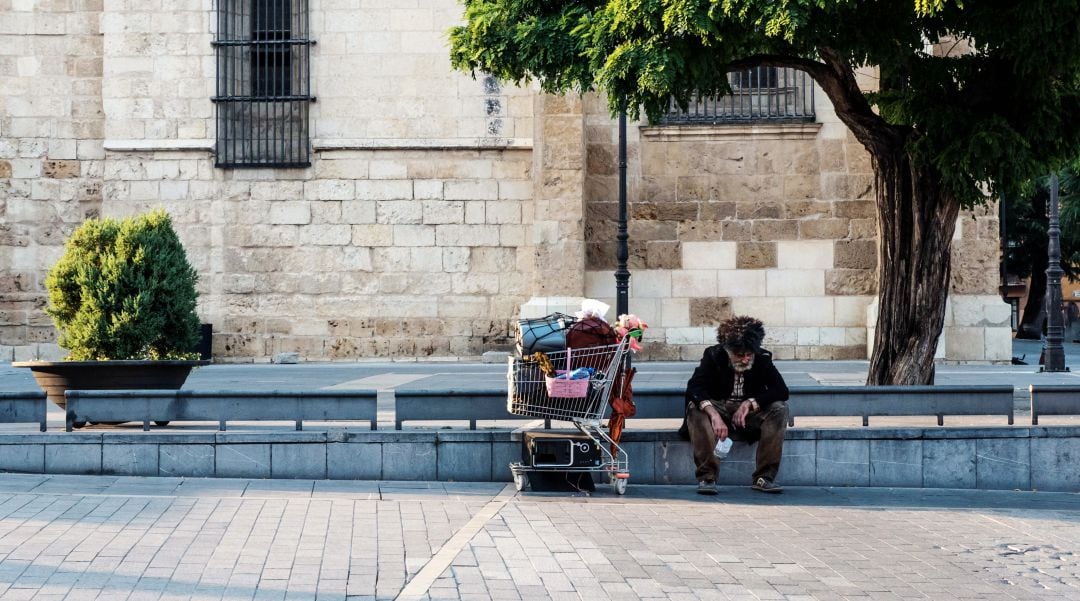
x: 955, y: 101
x: 997, y: 115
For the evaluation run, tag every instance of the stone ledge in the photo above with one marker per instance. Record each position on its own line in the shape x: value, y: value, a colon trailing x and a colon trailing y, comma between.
x: 159, y: 145
x: 933, y: 457
x: 329, y: 145
x: 704, y: 133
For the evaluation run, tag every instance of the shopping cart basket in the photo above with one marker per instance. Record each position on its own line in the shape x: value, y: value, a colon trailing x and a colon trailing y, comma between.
x: 532, y: 394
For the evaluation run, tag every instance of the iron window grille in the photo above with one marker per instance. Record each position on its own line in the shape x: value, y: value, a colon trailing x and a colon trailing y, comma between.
x: 758, y: 95
x: 263, y: 83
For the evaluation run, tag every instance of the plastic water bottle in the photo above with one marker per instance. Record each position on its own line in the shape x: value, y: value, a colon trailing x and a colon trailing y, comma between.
x: 723, y: 447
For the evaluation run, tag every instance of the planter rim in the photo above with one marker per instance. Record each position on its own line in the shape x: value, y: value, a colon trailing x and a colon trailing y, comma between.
x: 118, y: 363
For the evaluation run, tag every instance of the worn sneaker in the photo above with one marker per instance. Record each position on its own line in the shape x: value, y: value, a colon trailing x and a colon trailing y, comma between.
x: 706, y: 487
x: 765, y: 485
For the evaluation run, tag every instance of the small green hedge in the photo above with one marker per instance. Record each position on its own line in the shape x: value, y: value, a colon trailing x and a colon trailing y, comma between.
x: 124, y: 290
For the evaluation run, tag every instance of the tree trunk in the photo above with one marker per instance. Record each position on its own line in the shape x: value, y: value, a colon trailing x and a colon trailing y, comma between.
x: 1031, y: 323
x: 916, y: 220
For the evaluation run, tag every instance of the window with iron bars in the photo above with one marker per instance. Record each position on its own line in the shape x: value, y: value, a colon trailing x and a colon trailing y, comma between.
x: 263, y: 83
x: 758, y: 95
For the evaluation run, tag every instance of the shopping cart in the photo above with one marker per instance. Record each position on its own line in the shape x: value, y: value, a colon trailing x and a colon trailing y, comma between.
x: 534, y: 394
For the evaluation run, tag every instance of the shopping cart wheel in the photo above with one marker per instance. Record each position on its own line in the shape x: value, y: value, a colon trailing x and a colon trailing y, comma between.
x: 619, y: 484
x: 520, y: 481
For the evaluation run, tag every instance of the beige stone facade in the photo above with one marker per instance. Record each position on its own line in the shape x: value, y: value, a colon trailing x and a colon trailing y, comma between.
x: 438, y: 208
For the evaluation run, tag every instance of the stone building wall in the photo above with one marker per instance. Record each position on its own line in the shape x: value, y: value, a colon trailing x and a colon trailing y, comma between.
x: 776, y: 221
x: 438, y: 207
x: 51, y: 129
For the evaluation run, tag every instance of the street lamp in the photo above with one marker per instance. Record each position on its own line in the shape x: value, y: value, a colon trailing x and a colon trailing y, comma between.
x: 622, y: 251
x: 1054, y: 360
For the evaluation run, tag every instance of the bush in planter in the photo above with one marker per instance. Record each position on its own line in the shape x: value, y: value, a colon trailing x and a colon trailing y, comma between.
x: 124, y: 290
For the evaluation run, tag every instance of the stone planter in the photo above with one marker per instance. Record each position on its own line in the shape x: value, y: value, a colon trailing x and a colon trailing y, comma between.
x: 56, y: 377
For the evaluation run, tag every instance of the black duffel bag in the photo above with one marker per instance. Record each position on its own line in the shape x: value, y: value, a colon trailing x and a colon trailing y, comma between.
x: 545, y: 334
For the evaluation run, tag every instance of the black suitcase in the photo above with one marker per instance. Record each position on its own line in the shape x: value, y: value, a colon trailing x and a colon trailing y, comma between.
x: 559, y: 449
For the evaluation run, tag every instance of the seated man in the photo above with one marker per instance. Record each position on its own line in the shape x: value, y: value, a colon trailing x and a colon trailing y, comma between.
x: 737, y: 391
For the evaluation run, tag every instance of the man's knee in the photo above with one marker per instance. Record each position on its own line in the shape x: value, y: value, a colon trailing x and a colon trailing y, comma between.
x: 777, y: 413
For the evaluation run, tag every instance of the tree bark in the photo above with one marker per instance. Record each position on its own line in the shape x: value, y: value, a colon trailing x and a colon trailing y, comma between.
x: 916, y: 220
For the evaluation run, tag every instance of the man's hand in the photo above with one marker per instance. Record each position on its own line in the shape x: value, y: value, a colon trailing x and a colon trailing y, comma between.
x: 718, y: 425
x: 739, y: 419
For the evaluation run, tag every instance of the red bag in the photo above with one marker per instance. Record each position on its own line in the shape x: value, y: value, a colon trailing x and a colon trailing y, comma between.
x: 589, y: 332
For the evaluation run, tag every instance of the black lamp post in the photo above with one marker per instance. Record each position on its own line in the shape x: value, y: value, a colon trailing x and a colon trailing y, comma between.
x: 1054, y: 360
x: 622, y: 251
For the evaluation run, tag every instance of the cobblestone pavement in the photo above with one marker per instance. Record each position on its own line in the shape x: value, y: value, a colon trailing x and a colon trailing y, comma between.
x: 106, y: 538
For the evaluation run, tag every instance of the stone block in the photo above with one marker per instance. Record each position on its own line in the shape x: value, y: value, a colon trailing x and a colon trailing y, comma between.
x: 129, y: 459
x: 354, y: 461
x: 855, y: 254
x: 187, y: 460
x: 823, y: 229
x: 949, y: 463
x: 850, y: 310
x: 28, y: 458
x: 795, y: 282
x: 799, y: 465
x: 673, y: 463
x: 774, y: 229
x: 60, y: 169
x: 242, y: 461
x: 850, y: 282
x: 1003, y: 463
x: 738, y: 467
x: 896, y: 463
x: 804, y: 254
x: 73, y: 459
x: 1055, y: 464
x: 298, y: 461
x: 768, y: 310
x: 685, y: 335
x: 964, y: 344
x: 642, y: 470
x: 674, y: 312
x: 737, y: 283
x: 663, y: 254
x: 502, y: 455
x: 464, y: 461
x: 409, y: 461
x: 651, y: 284
x: 708, y: 311
x: 843, y: 463
x: 688, y: 283
x: 755, y: 255
x: 709, y: 255
x: 809, y: 311
x: 290, y: 213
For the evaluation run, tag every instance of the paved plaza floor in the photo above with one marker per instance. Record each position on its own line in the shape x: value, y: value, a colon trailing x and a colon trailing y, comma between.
x: 109, y: 538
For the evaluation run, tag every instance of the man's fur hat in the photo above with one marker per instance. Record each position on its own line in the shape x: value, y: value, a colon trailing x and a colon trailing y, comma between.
x: 741, y: 333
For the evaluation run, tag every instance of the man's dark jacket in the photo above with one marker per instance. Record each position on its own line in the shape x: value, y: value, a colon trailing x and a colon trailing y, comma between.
x: 714, y: 379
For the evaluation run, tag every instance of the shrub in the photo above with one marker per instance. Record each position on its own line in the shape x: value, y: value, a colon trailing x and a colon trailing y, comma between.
x: 124, y: 290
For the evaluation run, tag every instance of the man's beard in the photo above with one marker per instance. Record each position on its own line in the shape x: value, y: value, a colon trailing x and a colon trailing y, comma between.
x: 739, y: 367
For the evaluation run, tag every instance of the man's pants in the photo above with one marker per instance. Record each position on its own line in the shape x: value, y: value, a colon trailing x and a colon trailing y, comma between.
x: 767, y: 427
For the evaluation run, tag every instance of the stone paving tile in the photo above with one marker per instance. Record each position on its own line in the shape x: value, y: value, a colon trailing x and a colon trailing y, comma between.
x: 79, y: 538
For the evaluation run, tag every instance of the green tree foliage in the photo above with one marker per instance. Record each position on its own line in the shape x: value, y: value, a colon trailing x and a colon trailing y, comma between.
x: 124, y: 290
x: 945, y: 130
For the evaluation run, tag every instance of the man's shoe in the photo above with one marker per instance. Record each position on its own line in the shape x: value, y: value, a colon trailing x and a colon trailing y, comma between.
x: 764, y: 485
x: 706, y: 487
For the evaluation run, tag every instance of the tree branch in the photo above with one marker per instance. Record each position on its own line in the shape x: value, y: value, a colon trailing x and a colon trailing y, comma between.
x: 837, y: 79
